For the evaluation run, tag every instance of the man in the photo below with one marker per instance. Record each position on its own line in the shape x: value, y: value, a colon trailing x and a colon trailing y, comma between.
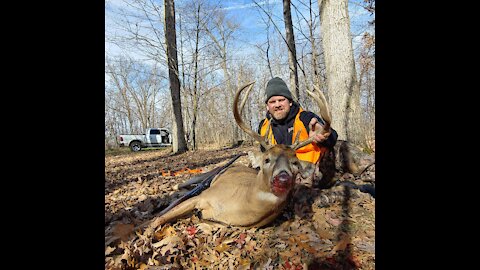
x: 287, y: 118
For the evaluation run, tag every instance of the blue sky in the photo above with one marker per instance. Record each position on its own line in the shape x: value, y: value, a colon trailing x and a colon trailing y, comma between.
x: 245, y: 12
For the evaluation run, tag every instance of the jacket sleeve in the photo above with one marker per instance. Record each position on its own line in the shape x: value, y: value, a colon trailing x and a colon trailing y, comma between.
x: 306, y: 116
x: 332, y: 139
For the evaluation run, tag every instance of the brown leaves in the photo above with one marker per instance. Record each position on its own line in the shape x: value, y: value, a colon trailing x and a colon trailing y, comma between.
x: 109, y: 250
x: 241, y: 240
x: 332, y: 219
x: 166, y: 231
x: 342, y: 244
x: 222, y: 247
x: 123, y: 231
x: 169, y: 244
x: 306, y: 235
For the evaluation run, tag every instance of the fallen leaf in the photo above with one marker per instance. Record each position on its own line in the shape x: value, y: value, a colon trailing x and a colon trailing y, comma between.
x: 353, y: 260
x: 191, y: 230
x: 241, y: 238
x: 332, y: 219
x: 286, y: 254
x: 251, y: 245
x: 194, y: 171
x: 165, y: 232
x: 175, y: 240
x: 205, y: 228
x: 109, y: 250
x: 123, y: 231
x: 221, y: 248
x: 341, y: 245
x: 244, y: 261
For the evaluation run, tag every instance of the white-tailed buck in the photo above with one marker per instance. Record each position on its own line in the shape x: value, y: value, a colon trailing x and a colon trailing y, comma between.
x: 242, y: 196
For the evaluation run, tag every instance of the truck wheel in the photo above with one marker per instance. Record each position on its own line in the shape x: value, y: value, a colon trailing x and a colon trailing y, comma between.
x: 135, y: 146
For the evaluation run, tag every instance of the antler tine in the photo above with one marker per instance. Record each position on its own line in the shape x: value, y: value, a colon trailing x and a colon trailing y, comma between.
x: 301, y: 144
x: 297, y: 136
x: 244, y: 100
x: 324, y: 113
x: 322, y: 105
x: 238, y: 118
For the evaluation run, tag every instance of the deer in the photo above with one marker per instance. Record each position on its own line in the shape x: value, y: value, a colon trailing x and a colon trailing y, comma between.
x: 243, y: 196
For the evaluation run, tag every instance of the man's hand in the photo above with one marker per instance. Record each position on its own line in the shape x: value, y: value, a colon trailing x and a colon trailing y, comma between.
x: 314, y: 125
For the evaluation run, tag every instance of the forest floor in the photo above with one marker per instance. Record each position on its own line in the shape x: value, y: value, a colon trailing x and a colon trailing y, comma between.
x: 321, y: 229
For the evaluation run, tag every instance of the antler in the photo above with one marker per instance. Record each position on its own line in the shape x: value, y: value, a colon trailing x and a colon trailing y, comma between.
x: 263, y: 140
x: 323, y: 106
x: 318, y: 96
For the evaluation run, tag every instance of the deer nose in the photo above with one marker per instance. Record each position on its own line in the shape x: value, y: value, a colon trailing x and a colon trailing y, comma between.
x: 283, y: 177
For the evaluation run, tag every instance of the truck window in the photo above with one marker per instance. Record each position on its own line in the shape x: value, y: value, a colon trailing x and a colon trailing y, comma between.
x: 165, y: 138
x: 154, y: 131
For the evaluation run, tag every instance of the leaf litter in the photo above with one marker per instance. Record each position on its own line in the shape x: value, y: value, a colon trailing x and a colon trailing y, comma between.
x: 319, y: 229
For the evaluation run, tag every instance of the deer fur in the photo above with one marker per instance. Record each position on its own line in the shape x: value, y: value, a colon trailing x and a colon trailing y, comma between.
x: 245, y: 197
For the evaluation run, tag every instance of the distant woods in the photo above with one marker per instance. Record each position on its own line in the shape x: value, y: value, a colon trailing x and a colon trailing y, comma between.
x: 215, y: 54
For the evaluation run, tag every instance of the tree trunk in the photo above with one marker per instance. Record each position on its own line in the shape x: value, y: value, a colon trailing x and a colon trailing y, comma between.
x: 317, y: 78
x: 183, y: 85
x: 341, y: 80
x: 292, y: 55
x: 195, y: 81
x: 179, y: 143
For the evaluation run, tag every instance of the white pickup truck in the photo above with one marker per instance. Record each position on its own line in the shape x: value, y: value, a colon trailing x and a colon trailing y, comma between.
x: 153, y: 137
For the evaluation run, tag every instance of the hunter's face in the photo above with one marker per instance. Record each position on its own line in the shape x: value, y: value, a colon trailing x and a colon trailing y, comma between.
x: 278, y: 107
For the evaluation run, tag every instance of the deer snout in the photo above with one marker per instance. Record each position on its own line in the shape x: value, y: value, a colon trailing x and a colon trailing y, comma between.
x: 282, y: 178
x: 282, y: 183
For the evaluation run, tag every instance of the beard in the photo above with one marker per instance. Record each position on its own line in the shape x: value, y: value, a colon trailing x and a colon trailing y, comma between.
x: 279, y: 114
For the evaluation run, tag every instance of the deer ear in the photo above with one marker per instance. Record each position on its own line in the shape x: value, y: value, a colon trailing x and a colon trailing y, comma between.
x: 307, y: 170
x: 255, y: 158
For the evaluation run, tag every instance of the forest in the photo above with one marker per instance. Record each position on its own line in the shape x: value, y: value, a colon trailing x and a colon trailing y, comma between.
x: 216, y: 48
x: 177, y: 65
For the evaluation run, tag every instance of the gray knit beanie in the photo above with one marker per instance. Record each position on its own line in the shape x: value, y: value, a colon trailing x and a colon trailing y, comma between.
x: 277, y: 87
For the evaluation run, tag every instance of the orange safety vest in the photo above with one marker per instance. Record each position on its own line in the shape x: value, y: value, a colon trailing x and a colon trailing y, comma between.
x: 310, y: 152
